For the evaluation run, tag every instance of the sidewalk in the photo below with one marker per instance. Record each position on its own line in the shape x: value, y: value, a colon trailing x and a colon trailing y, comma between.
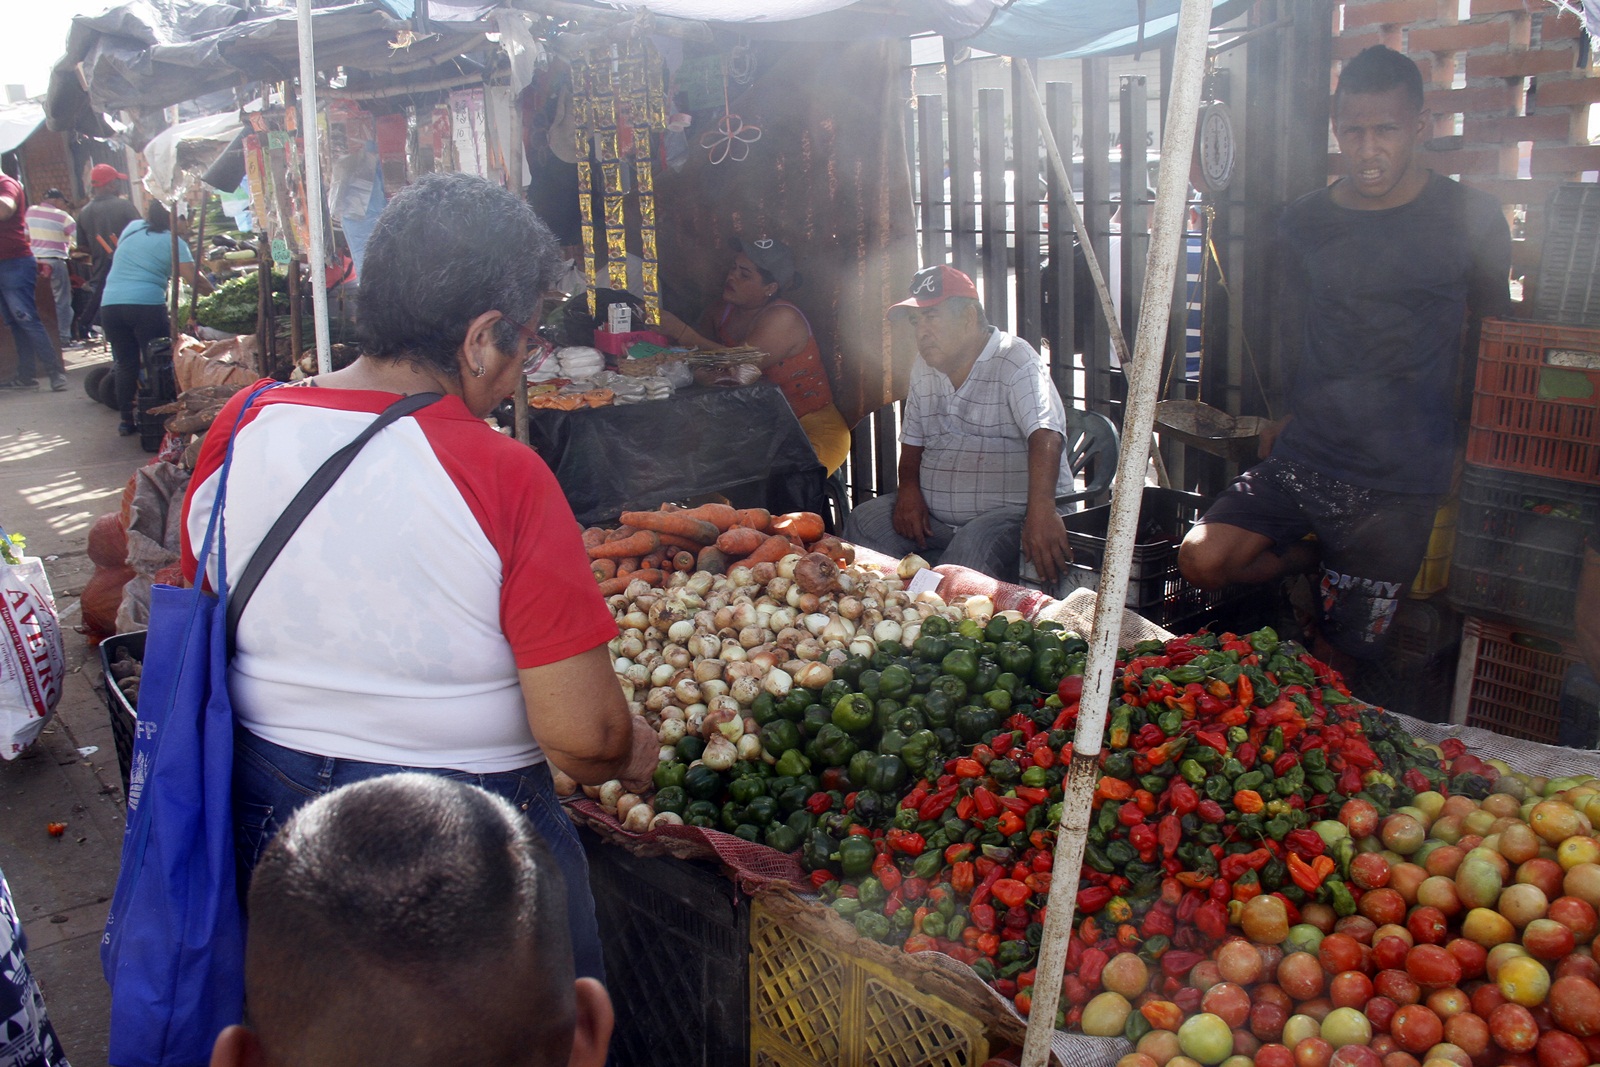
x: 62, y: 465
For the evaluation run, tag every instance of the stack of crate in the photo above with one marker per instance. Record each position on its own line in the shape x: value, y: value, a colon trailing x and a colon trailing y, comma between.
x: 1530, y: 496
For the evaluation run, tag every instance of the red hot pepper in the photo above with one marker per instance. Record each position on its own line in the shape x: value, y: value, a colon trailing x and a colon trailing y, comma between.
x: 1212, y: 920
x: 1209, y: 811
x: 1011, y: 893
x: 1169, y: 832
x: 1181, y: 797
x: 987, y: 806
x: 983, y: 918
x: 907, y: 842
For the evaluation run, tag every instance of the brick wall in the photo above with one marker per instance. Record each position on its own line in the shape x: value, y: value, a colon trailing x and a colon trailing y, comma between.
x: 46, y: 164
x: 1504, y: 83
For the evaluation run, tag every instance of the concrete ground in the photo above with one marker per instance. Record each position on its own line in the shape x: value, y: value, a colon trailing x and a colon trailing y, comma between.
x: 62, y: 465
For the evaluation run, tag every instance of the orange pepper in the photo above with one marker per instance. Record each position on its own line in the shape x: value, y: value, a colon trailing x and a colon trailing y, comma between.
x: 1195, y: 880
x: 1089, y: 930
x: 1113, y: 789
x: 1248, y: 801
x: 1218, y: 688
x: 1146, y: 801
x: 1234, y: 716
x: 1246, y: 690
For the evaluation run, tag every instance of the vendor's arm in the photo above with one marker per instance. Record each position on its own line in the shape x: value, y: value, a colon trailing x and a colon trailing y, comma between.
x: 8, y: 207
x: 682, y: 333
x: 910, y: 509
x: 1269, y: 436
x: 1044, y: 537
x: 580, y: 718
x: 196, y: 281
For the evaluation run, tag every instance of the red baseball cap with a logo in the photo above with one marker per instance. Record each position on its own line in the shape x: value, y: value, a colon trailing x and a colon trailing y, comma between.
x: 935, y: 285
x: 105, y: 174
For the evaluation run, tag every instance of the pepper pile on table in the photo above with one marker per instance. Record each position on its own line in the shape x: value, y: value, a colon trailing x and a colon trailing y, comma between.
x: 923, y: 787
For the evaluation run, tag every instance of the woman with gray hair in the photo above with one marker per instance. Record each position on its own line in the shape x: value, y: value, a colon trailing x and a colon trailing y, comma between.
x: 435, y: 611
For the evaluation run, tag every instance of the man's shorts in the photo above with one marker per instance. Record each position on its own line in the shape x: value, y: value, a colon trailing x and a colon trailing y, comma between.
x: 1372, y: 541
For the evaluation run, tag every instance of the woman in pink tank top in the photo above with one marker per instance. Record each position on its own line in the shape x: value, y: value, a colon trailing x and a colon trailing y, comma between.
x: 750, y: 312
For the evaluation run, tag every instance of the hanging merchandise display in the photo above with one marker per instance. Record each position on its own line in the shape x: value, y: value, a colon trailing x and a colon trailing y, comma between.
x: 469, y: 134
x: 731, y: 138
x: 618, y: 101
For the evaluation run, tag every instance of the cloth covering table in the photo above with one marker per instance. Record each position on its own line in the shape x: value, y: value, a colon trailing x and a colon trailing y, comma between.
x: 744, y: 443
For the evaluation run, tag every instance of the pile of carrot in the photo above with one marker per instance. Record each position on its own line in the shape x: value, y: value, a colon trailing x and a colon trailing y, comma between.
x: 650, y: 545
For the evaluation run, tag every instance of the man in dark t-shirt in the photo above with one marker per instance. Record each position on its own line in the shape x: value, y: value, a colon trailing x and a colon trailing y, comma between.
x: 100, y: 223
x: 1383, y: 270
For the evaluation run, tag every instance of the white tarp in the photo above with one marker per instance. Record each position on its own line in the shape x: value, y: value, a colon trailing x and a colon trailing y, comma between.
x: 165, y: 178
x: 17, y: 123
x: 734, y: 10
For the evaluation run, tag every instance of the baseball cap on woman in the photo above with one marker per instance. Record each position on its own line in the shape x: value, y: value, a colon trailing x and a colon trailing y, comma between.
x: 771, y: 255
x: 105, y: 174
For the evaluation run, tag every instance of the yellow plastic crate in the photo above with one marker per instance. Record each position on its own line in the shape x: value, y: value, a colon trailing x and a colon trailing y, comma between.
x: 814, y: 999
x: 1434, y: 574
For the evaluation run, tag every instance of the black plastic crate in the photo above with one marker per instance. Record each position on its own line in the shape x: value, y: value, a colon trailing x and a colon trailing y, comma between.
x: 123, y: 717
x: 1416, y: 673
x: 1568, y: 288
x: 1155, y: 588
x: 677, y: 936
x: 1519, y: 547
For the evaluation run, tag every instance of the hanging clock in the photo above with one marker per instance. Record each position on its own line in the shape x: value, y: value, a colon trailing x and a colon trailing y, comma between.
x: 1216, y: 147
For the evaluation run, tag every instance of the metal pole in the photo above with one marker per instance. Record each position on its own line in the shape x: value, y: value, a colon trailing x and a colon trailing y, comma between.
x: 313, y: 205
x: 1166, y: 242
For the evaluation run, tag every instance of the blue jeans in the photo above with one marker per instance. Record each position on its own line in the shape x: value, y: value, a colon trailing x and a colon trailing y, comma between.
x: 21, y: 312
x: 270, y: 782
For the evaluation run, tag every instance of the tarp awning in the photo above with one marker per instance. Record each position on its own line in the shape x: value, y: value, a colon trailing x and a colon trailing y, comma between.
x: 134, y: 57
x: 18, y: 123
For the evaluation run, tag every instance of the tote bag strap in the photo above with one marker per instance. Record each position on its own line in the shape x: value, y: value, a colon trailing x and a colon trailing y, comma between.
x: 306, y: 499
x: 214, y: 531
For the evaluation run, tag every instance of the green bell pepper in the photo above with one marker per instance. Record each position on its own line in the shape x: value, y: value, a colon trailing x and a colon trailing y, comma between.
x: 885, y: 774
x: 792, y: 764
x: 671, y: 798
x: 855, y: 856
x: 779, y: 736
x: 702, y: 783
x: 854, y: 713
x: 670, y: 773
x: 895, y: 683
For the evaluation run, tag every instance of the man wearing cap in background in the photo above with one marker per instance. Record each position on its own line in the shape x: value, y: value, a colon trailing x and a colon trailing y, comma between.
x: 980, y: 451
x: 50, y: 231
x: 100, y: 223
x: 19, y: 274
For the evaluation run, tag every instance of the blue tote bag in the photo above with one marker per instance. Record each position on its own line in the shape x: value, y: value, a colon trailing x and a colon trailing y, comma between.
x: 173, y: 949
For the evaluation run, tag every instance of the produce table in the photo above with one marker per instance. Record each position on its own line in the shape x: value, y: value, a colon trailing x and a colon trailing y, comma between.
x: 898, y: 757
x: 744, y: 443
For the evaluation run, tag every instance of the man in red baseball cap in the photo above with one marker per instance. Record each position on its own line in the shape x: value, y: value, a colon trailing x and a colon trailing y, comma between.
x: 100, y: 225
x: 981, y: 445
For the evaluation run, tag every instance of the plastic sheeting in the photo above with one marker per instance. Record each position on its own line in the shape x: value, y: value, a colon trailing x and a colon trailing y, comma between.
x: 743, y: 443
x: 169, y: 152
x: 18, y: 123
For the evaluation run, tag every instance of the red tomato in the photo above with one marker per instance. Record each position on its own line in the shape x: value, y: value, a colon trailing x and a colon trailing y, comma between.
x: 1472, y: 956
x: 1350, y: 989
x: 1577, y: 915
x: 1301, y: 975
x: 1312, y: 1052
x: 1433, y: 967
x: 1416, y: 1028
x: 1398, y: 986
x: 1229, y: 1002
x: 1266, y: 1021
x: 1574, y: 1004
x: 1558, y: 1049
x: 1274, y: 1055
x: 1486, y: 998
x: 1400, y: 1059
x: 1383, y: 905
x: 1380, y: 1010
x: 1427, y: 925
x: 1448, y: 1002
x: 1513, y: 1028
x: 1469, y: 1033
x: 1580, y: 966
x: 1355, y: 1056
x: 1339, y: 953
x: 1389, y: 954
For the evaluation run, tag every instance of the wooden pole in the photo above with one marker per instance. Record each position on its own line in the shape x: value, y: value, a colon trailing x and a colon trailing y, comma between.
x: 177, y: 280
x: 199, y: 252
x: 296, y: 310
x: 1166, y: 244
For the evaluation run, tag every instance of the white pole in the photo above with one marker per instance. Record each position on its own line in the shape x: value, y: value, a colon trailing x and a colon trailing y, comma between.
x: 1166, y: 243
x: 313, y: 204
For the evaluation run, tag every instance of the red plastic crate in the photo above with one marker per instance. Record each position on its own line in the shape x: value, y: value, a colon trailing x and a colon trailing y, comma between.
x: 1537, y: 405
x: 1511, y: 678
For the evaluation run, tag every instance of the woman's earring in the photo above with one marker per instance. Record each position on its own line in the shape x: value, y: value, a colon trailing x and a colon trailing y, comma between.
x: 479, y: 371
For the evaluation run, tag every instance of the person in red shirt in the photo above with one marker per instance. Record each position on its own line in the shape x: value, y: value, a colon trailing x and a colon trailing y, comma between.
x: 19, y: 273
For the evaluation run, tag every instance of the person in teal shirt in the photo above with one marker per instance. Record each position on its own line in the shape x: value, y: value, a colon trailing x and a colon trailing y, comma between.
x: 133, y: 305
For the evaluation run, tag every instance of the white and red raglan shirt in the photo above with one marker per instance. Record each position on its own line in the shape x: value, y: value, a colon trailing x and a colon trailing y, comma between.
x: 391, y: 628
